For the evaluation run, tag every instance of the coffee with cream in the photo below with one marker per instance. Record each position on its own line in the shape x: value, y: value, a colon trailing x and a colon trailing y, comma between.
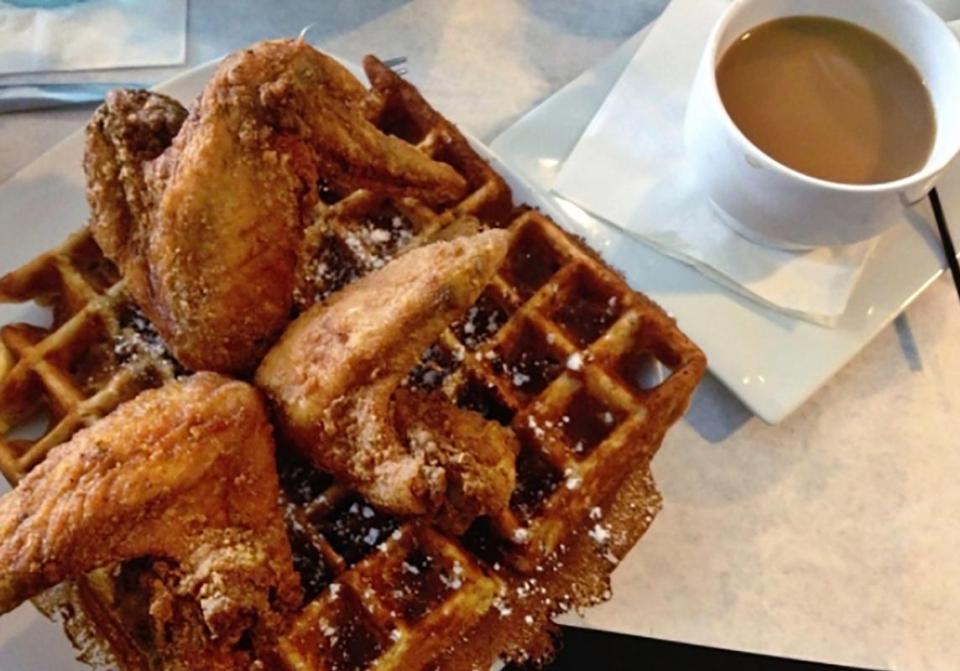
x: 829, y: 99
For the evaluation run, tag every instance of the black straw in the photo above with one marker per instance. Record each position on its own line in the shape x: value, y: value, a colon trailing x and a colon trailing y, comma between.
x: 948, y: 248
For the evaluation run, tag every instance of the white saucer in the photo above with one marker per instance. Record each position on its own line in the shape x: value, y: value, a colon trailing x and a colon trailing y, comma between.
x: 771, y: 361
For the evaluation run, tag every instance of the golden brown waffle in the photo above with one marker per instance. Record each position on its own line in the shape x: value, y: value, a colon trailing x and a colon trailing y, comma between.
x: 387, y: 593
x: 562, y: 350
x: 544, y: 341
x: 557, y: 347
x: 98, y: 352
x: 421, y: 600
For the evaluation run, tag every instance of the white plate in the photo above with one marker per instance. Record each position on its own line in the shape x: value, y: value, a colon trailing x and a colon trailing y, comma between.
x: 39, y: 207
x: 771, y: 361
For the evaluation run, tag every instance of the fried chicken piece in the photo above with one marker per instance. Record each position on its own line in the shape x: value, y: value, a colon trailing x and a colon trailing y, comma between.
x: 209, y: 232
x: 477, y: 455
x: 206, y: 234
x: 185, y: 473
x: 333, y: 374
x: 129, y: 129
x: 298, y: 91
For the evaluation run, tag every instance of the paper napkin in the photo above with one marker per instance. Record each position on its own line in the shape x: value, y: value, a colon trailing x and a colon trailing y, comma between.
x: 58, y: 35
x: 630, y: 169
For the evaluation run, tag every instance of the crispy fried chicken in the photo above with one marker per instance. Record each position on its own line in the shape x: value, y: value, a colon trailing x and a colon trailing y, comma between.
x: 334, y: 373
x: 185, y: 474
x: 128, y: 130
x: 208, y: 232
x: 478, y: 456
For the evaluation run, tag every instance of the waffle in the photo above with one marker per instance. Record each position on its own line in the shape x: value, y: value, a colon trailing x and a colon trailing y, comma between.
x: 588, y: 373
x: 98, y: 352
x: 385, y: 593
x: 562, y: 350
x: 392, y: 595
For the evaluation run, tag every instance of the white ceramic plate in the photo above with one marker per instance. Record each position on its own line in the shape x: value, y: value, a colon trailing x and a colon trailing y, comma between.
x: 771, y: 361
x: 39, y: 207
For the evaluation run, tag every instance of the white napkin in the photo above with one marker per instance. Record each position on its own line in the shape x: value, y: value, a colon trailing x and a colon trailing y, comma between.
x: 629, y: 168
x: 92, y: 35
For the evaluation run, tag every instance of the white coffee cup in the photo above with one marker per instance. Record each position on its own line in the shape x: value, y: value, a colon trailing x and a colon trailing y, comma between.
x: 776, y: 205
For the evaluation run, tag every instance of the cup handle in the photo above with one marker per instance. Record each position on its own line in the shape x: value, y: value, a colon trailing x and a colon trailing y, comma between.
x: 915, y: 194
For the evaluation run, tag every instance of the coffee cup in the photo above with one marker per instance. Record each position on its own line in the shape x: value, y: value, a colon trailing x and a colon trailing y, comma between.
x: 776, y: 205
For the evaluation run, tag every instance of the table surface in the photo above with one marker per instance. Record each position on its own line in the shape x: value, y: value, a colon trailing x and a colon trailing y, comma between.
x: 484, y: 64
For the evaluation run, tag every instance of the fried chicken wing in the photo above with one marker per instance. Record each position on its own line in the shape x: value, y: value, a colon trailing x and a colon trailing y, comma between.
x: 208, y: 230
x: 478, y: 456
x: 128, y: 130
x: 185, y: 473
x: 334, y: 373
x: 298, y: 91
x: 205, y: 233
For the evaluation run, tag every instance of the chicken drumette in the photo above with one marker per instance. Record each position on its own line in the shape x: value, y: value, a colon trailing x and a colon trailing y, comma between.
x: 185, y: 474
x: 334, y: 378
x: 208, y: 230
